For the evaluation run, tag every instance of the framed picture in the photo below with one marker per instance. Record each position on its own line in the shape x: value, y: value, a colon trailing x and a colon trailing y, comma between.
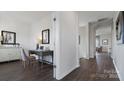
x: 46, y: 36
x: 120, y: 28
x: 8, y: 37
x: 105, y: 42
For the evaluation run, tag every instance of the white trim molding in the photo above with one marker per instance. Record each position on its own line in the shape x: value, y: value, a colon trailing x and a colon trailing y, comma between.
x: 117, y: 70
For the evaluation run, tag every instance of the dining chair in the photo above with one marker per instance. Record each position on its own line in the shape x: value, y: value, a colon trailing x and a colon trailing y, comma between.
x: 26, y: 59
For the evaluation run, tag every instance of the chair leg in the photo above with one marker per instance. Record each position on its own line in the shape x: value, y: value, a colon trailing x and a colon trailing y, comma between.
x: 24, y: 63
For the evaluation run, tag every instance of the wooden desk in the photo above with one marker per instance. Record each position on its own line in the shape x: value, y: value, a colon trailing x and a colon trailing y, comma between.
x: 41, y: 54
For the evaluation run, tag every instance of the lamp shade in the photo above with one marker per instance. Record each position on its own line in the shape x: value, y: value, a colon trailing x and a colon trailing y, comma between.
x: 39, y: 40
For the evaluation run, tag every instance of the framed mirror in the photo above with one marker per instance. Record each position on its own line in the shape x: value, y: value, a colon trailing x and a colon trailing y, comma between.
x: 46, y: 36
x: 105, y: 42
x: 8, y: 37
x: 120, y: 28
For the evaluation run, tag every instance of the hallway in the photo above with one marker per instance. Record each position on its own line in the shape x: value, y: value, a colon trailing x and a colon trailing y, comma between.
x: 99, y: 69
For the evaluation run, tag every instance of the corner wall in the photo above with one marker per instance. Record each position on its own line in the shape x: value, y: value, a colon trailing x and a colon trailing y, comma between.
x: 92, y: 40
x: 68, y: 43
x: 84, y: 42
x: 117, y: 52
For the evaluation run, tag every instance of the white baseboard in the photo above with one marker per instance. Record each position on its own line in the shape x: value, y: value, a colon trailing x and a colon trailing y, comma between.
x: 59, y: 77
x: 117, y: 71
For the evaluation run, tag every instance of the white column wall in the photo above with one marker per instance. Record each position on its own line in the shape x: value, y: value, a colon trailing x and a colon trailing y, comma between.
x: 67, y: 47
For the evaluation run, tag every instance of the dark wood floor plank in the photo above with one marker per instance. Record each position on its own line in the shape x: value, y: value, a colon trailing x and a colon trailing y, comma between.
x: 15, y: 71
x: 99, y: 69
x: 89, y: 70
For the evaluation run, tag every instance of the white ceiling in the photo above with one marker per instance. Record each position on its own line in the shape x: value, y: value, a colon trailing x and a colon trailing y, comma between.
x: 31, y: 16
x: 25, y: 16
x: 90, y: 16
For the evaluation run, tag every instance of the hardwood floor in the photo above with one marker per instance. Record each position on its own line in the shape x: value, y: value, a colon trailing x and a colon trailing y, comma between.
x: 15, y: 71
x: 99, y: 69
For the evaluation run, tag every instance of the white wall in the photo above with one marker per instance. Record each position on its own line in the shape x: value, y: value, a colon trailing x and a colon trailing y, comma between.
x: 36, y: 31
x: 68, y: 43
x: 22, y: 29
x: 82, y: 48
x: 97, y: 41
x: 92, y: 40
x: 118, y: 52
x: 84, y: 42
x: 89, y: 44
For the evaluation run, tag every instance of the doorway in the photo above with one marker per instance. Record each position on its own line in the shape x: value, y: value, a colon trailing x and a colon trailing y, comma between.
x: 104, y: 38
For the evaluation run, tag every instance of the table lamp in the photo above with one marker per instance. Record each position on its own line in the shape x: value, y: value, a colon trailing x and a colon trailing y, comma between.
x: 39, y: 41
